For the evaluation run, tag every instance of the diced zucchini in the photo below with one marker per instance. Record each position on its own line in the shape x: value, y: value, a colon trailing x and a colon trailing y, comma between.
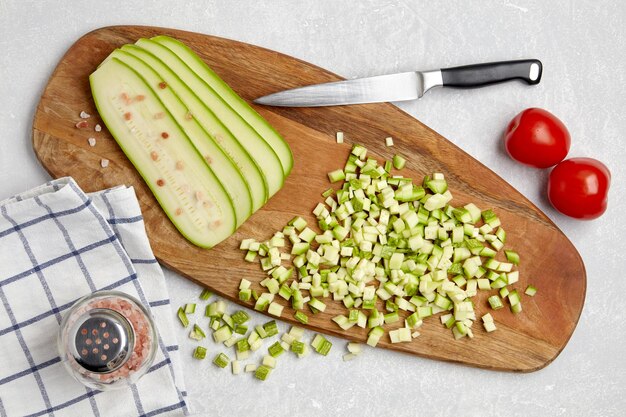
x: 398, y: 161
x: 531, y: 290
x: 199, y: 352
x: 221, y: 360
x: 495, y: 302
x: 424, y: 259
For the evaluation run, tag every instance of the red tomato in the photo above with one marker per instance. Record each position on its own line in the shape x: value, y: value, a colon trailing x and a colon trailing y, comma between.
x: 578, y: 187
x: 537, y: 138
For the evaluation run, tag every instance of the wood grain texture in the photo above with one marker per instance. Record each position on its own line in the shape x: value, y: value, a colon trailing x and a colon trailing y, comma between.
x: 524, y: 343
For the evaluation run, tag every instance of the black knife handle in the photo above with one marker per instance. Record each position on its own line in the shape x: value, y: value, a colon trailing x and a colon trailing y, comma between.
x: 480, y: 75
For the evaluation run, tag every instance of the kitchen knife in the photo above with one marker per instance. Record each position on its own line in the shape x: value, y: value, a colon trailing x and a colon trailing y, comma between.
x: 406, y: 85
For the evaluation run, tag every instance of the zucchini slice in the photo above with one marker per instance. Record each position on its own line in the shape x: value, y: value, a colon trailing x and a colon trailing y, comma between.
x: 213, y: 126
x: 225, y: 169
x: 184, y: 184
x: 263, y: 153
x: 258, y: 123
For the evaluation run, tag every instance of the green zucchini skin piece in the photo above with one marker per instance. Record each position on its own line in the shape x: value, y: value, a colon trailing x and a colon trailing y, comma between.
x: 256, y: 121
x: 225, y: 169
x: 202, y: 225
x: 213, y: 127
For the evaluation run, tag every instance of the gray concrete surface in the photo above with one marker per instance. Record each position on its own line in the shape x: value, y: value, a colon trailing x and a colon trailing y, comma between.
x: 581, y: 44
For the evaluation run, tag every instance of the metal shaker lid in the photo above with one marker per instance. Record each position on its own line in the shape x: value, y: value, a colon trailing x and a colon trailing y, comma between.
x: 103, y: 340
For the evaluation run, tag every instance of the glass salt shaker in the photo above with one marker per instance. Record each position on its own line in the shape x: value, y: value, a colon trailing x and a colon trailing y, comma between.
x: 107, y: 340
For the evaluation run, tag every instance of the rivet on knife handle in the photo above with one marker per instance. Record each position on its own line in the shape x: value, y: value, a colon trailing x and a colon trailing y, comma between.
x: 479, y: 75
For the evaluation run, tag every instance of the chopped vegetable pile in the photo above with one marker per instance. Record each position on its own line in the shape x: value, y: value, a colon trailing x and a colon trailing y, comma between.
x: 234, y: 331
x: 392, y: 252
x: 387, y: 242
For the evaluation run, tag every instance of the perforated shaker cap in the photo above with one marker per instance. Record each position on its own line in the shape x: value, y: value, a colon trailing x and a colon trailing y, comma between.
x: 103, y: 340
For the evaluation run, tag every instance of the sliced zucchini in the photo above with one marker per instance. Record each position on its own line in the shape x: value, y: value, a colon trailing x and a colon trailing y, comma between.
x: 217, y: 131
x: 263, y: 153
x: 236, y: 186
x: 255, y: 120
x: 184, y: 184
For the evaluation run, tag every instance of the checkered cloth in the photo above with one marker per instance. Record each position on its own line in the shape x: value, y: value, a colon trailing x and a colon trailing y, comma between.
x: 58, y: 244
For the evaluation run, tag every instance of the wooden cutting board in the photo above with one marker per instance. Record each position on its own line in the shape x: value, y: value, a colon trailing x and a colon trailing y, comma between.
x: 525, y: 342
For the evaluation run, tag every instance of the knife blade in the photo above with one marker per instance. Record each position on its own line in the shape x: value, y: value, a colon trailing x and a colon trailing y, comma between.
x: 404, y: 86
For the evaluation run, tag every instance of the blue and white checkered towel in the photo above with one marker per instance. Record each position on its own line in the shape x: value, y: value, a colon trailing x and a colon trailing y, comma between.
x: 58, y: 244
